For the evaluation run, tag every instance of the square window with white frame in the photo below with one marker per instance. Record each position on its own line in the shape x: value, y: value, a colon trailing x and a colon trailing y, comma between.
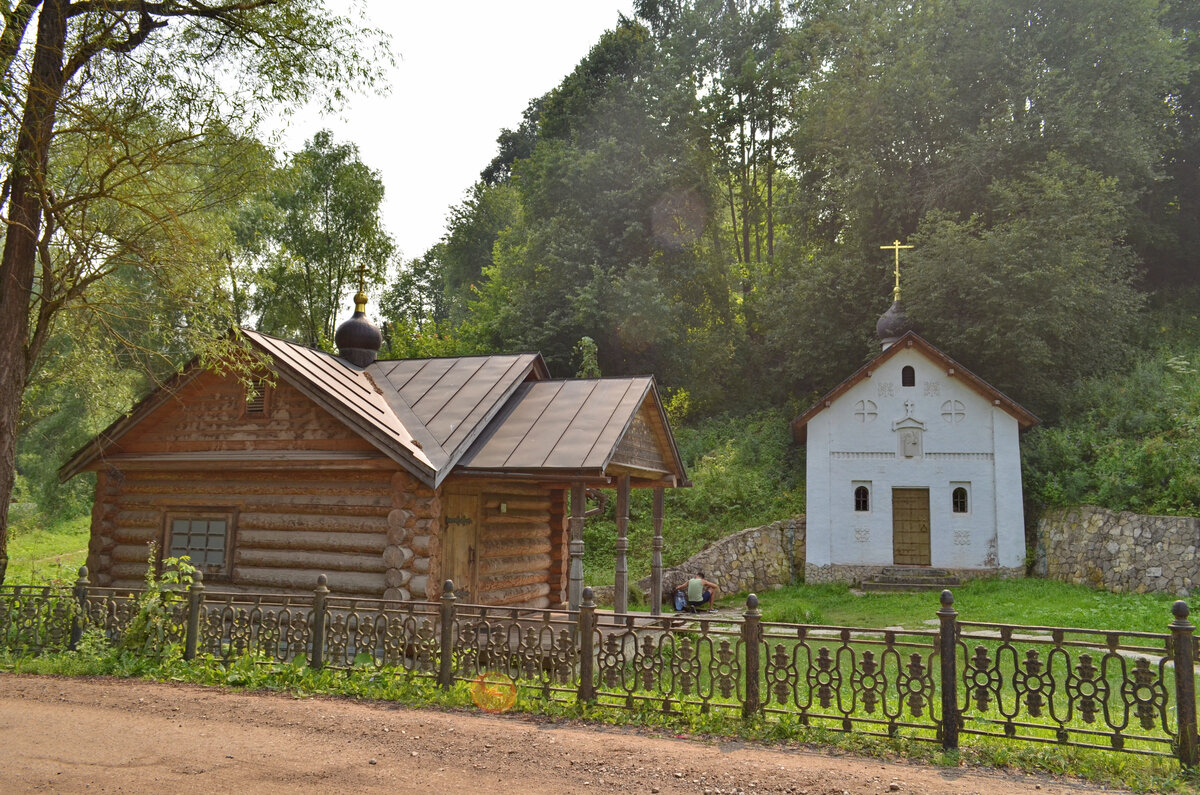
x: 202, y: 537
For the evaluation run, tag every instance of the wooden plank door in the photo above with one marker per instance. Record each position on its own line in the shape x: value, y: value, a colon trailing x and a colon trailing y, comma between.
x: 910, y: 527
x: 459, y: 541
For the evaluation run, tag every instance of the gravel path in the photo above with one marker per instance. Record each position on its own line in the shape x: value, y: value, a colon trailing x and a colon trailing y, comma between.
x: 120, y: 735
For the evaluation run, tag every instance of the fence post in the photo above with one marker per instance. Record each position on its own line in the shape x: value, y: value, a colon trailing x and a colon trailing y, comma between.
x: 316, y: 656
x: 752, y: 641
x: 587, y: 647
x: 1185, y: 682
x: 446, y: 644
x: 195, y: 605
x: 948, y: 641
x: 80, y: 592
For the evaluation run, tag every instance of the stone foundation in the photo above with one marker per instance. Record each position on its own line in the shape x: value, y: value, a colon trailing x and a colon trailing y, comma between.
x: 855, y: 575
x: 1122, y: 552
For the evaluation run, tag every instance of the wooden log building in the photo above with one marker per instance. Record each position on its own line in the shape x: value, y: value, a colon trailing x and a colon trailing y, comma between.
x: 388, y: 476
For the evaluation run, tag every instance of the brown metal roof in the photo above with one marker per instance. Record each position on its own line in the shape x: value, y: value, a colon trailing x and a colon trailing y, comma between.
x: 479, y: 412
x: 566, y: 425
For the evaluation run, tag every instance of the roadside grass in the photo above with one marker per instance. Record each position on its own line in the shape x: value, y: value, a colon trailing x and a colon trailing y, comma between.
x: 1028, y: 602
x: 49, y: 555
x: 247, y: 673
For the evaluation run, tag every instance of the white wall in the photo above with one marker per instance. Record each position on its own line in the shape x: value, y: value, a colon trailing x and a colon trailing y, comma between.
x: 978, y: 451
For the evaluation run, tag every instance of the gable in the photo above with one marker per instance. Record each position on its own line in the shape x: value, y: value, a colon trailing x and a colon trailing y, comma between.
x: 207, y: 414
x: 911, y: 349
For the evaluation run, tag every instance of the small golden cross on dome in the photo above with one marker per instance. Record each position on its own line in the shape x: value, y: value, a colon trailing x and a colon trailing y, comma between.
x: 896, y: 247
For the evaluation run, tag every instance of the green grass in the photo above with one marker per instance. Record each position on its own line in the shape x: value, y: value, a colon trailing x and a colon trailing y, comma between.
x: 1025, y: 601
x: 48, y: 555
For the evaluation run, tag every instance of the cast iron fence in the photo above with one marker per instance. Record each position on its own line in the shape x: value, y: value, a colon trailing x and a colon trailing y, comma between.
x: 1132, y: 692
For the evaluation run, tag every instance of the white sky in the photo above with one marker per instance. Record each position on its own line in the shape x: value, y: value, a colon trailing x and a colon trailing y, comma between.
x: 464, y: 70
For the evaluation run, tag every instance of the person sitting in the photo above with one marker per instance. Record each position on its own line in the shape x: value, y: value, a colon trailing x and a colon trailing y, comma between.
x: 701, y: 593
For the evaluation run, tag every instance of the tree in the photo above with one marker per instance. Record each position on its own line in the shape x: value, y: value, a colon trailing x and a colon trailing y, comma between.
x: 321, y: 230
x: 94, y: 182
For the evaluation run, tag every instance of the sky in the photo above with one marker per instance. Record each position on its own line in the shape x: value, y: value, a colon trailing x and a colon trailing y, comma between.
x: 464, y: 70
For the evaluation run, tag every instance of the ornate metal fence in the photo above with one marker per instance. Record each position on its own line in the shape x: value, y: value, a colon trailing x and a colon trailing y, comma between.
x: 1131, y: 692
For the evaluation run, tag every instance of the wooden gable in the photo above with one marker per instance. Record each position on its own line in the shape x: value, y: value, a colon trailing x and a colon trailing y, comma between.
x: 213, y: 414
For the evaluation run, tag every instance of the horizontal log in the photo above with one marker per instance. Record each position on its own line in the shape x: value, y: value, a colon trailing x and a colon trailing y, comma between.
x: 539, y: 563
x: 291, y: 539
x: 492, y: 502
x: 396, y: 557
x: 252, y: 520
x: 503, y: 582
x: 131, y: 553
x: 320, y: 560
x: 315, y: 477
x: 265, y: 503
x: 305, y: 580
x: 506, y: 549
x: 515, y: 532
x: 252, y: 485
x: 135, y: 572
x: 529, y: 517
x: 137, y: 535
x: 142, y: 516
x: 517, y: 595
x: 509, y: 488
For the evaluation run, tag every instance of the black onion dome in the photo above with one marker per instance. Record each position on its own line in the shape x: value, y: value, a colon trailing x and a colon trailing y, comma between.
x: 358, y: 339
x: 893, y: 324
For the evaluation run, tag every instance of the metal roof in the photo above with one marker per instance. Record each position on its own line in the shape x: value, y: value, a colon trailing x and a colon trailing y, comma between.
x: 567, y: 426
x: 433, y: 415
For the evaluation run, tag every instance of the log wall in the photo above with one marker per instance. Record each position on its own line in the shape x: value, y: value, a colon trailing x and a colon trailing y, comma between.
x: 287, y: 526
x: 514, y: 550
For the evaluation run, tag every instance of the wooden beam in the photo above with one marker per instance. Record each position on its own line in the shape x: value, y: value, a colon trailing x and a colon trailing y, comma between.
x: 621, y: 583
x: 656, y: 586
x: 575, y: 583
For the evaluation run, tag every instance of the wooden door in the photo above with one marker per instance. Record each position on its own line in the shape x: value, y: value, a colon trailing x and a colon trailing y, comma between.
x: 910, y: 527
x: 459, y: 540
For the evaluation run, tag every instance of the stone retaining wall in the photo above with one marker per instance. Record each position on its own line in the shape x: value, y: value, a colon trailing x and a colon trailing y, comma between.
x: 1123, y: 552
x: 754, y: 559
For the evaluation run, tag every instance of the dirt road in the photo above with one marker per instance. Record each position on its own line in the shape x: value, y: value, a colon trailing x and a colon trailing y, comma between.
x: 114, y: 735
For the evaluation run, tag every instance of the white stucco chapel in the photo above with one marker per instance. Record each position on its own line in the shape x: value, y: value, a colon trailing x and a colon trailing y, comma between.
x: 912, y: 461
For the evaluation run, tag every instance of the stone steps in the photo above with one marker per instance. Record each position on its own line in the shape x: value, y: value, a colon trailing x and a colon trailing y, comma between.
x: 905, y: 578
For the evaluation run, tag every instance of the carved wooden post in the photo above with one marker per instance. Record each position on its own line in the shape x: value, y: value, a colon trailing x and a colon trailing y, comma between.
x: 948, y: 651
x: 656, y: 583
x: 621, y: 581
x: 195, y: 607
x: 587, y: 647
x: 1185, y: 682
x: 79, y: 614
x: 316, y: 656
x: 446, y: 640
x: 575, y: 577
x: 752, y: 644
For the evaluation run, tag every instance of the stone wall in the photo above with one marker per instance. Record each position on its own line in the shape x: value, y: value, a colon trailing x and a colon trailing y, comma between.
x: 856, y: 575
x: 754, y: 559
x: 1123, y: 552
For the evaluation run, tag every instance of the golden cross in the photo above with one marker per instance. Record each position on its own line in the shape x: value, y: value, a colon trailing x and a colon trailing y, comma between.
x: 896, y: 247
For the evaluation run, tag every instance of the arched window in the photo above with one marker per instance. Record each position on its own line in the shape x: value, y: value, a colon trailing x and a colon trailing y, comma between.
x: 908, y: 376
x: 958, y: 500
x: 862, y: 499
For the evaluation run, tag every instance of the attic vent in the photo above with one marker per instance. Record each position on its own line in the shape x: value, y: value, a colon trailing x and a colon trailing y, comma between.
x: 256, y: 399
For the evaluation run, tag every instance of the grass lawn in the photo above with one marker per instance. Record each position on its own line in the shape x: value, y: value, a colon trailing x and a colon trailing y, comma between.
x: 1024, y: 601
x: 50, y: 554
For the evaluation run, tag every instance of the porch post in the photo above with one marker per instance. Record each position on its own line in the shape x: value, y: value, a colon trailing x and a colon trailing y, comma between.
x: 656, y: 584
x: 621, y: 583
x: 575, y: 581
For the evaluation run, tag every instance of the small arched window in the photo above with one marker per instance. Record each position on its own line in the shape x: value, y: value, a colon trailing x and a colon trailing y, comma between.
x: 862, y: 499
x: 958, y: 500
x: 908, y: 376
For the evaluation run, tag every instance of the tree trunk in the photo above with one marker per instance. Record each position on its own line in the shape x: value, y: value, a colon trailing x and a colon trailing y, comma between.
x: 20, y: 243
